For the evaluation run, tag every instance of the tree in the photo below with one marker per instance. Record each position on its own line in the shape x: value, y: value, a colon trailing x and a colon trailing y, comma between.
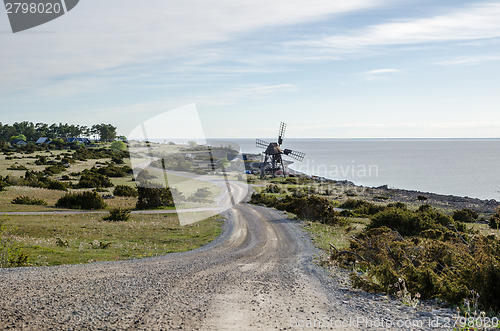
x: 192, y: 143
x: 18, y: 137
x: 106, y: 132
x: 422, y: 198
x: 118, y: 145
x: 152, y: 197
x: 495, y: 220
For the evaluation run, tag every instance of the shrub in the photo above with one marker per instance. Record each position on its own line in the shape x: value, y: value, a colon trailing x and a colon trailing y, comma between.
x: 117, y: 160
x: 362, y: 207
x: 25, y: 200
x: 445, y: 269
x: 125, y: 191
x: 113, y: 171
x: 54, y: 169
x: 11, y: 254
x: 118, y: 215
x: 4, y: 182
x: 421, y: 198
x: 313, y: 207
x: 83, y: 200
x: 494, y: 222
x: 18, y: 167
x: 118, y: 146
x: 203, y: 193
x: 152, y: 197
x: 410, y: 223
x: 90, y: 179
x: 56, y: 185
x: 465, y: 215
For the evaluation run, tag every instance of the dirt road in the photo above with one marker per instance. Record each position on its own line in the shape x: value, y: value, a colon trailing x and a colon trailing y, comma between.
x: 259, y: 274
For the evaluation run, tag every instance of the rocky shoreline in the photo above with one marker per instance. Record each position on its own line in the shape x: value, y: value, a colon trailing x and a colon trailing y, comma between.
x: 387, y: 194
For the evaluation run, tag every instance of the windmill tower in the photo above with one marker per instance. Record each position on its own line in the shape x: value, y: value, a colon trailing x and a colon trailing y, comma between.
x: 273, y: 160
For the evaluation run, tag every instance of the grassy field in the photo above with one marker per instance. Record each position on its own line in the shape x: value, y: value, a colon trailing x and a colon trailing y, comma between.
x: 84, y: 238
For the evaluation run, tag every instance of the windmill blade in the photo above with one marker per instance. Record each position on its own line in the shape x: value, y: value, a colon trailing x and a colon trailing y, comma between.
x: 281, y: 133
x: 299, y: 156
x: 261, y: 143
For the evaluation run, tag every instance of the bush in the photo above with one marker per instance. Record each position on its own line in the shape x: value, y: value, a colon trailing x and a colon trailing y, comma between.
x: 4, y: 182
x: 25, y: 200
x: 56, y: 185
x: 118, y: 146
x: 113, y: 171
x: 125, y: 191
x: 203, y: 193
x: 465, y: 216
x: 362, y: 208
x: 54, y: 169
x: 90, y: 179
x: 18, y: 167
x: 11, y: 254
x: 84, y: 200
x: 313, y: 208
x: 410, y: 223
x: 118, y: 215
x: 151, y: 198
x: 494, y: 222
x: 445, y: 269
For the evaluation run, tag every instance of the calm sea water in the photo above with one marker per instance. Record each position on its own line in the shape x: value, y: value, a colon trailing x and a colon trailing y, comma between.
x: 463, y: 167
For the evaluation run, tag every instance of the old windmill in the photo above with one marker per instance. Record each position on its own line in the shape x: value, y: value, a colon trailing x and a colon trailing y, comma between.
x: 272, y: 155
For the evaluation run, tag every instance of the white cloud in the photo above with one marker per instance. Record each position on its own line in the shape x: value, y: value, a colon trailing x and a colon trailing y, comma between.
x: 469, y: 23
x: 99, y: 35
x: 379, y: 74
x: 469, y: 60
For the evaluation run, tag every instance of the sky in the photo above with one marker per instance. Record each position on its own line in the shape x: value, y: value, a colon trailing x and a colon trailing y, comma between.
x: 328, y: 68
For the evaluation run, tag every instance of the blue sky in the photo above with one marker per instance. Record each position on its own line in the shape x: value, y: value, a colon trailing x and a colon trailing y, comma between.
x: 346, y: 69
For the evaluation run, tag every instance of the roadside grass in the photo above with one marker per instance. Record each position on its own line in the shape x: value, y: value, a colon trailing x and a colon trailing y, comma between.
x: 323, y: 235
x: 84, y: 238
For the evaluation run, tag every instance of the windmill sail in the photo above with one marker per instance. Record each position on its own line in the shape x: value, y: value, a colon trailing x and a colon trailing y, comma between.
x: 299, y: 156
x: 261, y: 143
x: 281, y: 133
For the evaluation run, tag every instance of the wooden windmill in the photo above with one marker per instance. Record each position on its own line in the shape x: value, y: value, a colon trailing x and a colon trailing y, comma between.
x: 273, y: 160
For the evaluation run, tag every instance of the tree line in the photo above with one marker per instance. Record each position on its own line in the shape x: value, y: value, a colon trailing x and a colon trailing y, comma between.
x: 31, y: 131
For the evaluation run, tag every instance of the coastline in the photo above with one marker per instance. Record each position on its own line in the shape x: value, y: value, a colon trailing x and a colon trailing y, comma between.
x: 388, y: 194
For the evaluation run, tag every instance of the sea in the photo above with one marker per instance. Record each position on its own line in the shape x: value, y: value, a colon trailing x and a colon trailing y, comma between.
x: 461, y: 167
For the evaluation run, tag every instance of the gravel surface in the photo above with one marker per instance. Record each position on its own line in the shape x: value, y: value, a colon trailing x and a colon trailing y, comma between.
x: 259, y: 274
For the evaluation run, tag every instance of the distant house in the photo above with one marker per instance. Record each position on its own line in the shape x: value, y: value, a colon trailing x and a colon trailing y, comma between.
x: 19, y: 143
x: 84, y: 141
x: 43, y: 141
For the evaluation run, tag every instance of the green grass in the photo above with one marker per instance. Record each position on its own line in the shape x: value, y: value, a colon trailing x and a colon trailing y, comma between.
x: 323, y: 235
x: 85, y: 234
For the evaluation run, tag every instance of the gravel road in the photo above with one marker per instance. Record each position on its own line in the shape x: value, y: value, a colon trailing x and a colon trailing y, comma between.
x: 259, y: 274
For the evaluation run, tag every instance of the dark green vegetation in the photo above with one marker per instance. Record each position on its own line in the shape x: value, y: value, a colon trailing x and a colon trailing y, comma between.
x: 433, y: 254
x: 25, y: 200
x: 118, y: 215
x: 84, y: 200
x: 151, y: 198
x: 29, y: 131
x: 125, y: 191
x: 313, y: 208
